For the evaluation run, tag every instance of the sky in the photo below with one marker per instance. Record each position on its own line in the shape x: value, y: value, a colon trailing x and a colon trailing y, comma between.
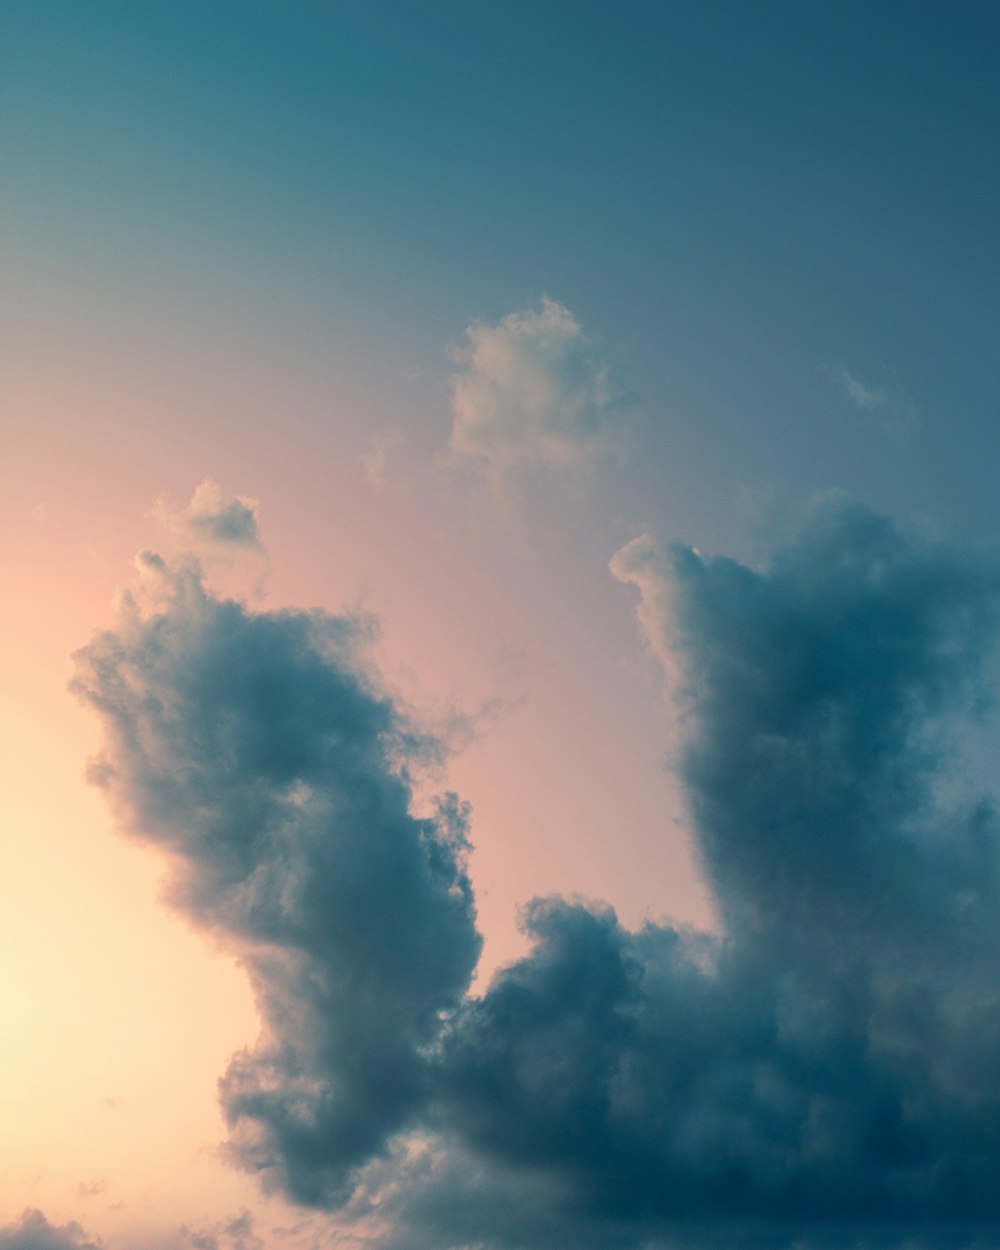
x: 500, y: 617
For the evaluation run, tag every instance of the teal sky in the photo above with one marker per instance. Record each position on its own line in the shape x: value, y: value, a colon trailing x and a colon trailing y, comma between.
x: 465, y: 298
x: 736, y: 198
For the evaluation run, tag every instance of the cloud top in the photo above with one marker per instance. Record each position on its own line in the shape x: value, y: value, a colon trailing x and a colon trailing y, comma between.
x: 532, y: 390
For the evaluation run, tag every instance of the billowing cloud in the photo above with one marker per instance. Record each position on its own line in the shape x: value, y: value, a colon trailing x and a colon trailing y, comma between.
x: 823, y: 1072
x: 258, y: 751
x: 826, y: 1071
x: 213, y: 518
x: 34, y: 1232
x: 532, y: 390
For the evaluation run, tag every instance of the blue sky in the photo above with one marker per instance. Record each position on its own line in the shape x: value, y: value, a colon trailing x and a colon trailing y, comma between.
x: 430, y: 309
x: 738, y: 200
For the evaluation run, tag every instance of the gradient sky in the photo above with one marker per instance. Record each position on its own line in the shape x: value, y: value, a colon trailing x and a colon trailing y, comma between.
x: 426, y: 331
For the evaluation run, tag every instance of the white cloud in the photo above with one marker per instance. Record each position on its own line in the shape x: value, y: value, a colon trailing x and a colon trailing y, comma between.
x: 532, y: 390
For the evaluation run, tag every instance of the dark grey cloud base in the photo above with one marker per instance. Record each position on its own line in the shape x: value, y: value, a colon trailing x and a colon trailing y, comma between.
x: 826, y: 1072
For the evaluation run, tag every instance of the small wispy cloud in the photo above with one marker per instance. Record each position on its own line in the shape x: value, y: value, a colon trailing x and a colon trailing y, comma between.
x: 92, y: 1189
x: 236, y: 1233
x: 212, y: 519
x: 869, y: 398
x: 32, y: 1231
x: 887, y: 405
x: 532, y: 390
x: 376, y: 461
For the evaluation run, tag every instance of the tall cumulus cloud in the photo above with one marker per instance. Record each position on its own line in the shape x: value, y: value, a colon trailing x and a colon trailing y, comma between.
x: 825, y: 1071
x: 532, y: 390
x: 257, y: 750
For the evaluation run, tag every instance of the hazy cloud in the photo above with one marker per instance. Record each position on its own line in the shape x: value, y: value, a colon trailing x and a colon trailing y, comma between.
x: 236, y: 1233
x: 92, y: 1189
x: 376, y: 461
x: 827, y: 1071
x: 212, y: 518
x: 532, y: 390
x: 866, y: 397
x: 887, y: 405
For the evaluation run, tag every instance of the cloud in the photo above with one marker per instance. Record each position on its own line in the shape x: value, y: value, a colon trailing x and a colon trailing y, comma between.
x: 33, y: 1232
x: 236, y: 1233
x: 815, y: 697
x: 376, y: 461
x: 532, y: 390
x: 824, y: 1072
x: 892, y: 410
x: 92, y: 1189
x: 865, y: 397
x: 258, y: 751
x: 212, y: 519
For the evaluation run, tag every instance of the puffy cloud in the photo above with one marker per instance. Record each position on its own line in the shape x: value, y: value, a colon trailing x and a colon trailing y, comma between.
x: 34, y: 1232
x: 824, y: 1072
x: 827, y: 1070
x: 213, y: 518
x: 258, y: 751
x: 532, y: 390
x: 815, y: 697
